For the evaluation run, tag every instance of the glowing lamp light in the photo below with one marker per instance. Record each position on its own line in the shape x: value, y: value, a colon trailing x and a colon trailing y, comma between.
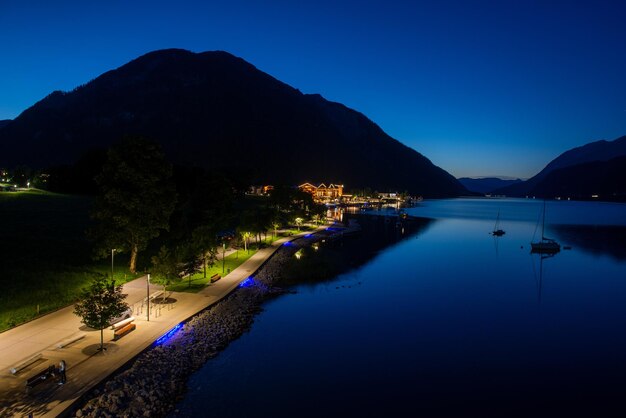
x: 248, y: 282
x: 168, y: 335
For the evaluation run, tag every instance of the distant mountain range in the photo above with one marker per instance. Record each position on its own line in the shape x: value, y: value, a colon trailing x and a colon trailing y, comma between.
x: 605, y: 179
x: 4, y: 122
x: 486, y: 185
x: 217, y: 111
x: 596, y: 169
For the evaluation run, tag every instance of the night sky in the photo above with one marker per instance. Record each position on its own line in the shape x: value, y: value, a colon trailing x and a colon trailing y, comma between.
x: 480, y: 88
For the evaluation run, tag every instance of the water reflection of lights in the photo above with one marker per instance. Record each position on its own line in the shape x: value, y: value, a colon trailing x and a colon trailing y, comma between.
x: 298, y: 254
x: 335, y: 213
x: 316, y: 246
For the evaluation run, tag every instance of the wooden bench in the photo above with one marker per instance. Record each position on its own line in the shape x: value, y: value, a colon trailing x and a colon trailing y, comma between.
x: 122, y: 323
x: 156, y: 295
x: 215, y: 278
x: 40, y: 377
x: 25, y: 363
x: 120, y: 332
x: 70, y: 340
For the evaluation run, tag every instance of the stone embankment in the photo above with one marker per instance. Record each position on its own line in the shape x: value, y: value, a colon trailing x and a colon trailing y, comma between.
x: 156, y: 380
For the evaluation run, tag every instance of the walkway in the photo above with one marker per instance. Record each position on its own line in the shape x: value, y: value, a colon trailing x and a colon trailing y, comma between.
x: 85, y: 366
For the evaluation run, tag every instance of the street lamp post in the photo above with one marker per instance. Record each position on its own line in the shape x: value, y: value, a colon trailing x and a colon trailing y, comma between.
x: 223, y: 255
x: 225, y: 236
x: 148, y: 298
x: 112, y: 256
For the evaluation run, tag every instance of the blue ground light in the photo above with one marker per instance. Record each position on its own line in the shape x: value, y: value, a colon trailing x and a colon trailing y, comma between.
x: 249, y: 282
x: 168, y: 335
x: 287, y: 244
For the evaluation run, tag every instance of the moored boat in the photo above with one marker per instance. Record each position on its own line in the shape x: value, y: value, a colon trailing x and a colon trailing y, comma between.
x: 545, y: 245
x: 497, y: 231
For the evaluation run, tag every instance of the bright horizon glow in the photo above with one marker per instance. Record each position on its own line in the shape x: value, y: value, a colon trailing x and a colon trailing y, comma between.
x: 480, y: 89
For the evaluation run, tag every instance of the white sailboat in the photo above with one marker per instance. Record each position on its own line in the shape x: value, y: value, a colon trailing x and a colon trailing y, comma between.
x: 497, y: 231
x: 545, y: 245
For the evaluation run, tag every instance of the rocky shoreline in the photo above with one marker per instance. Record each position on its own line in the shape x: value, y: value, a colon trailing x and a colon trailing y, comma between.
x: 157, y: 378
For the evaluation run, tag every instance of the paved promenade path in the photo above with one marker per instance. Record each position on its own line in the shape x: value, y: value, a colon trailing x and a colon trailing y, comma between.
x: 86, y: 367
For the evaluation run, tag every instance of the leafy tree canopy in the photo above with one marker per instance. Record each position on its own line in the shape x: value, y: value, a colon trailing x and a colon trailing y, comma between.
x: 100, y: 303
x: 167, y: 267
x: 137, y: 197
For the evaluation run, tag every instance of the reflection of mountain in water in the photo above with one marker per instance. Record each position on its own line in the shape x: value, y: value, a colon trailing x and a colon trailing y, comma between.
x: 351, y: 252
x: 598, y: 240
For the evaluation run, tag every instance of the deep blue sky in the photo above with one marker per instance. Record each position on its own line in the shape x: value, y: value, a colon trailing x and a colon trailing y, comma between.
x: 480, y: 88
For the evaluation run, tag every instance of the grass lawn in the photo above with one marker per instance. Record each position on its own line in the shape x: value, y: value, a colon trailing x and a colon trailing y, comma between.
x: 294, y: 231
x: 45, y: 258
x: 198, y: 282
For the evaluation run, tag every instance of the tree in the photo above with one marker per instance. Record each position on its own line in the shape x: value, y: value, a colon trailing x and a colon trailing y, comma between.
x: 22, y: 175
x: 100, y: 303
x: 224, y: 237
x: 275, y: 225
x: 204, y: 241
x: 166, y: 268
x: 189, y: 259
x: 299, y: 222
x: 288, y: 198
x: 264, y: 220
x: 246, y: 236
x: 136, y: 198
x: 319, y: 213
x: 204, y: 208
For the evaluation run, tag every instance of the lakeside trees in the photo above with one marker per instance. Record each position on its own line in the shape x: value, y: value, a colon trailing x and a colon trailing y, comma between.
x: 204, y: 241
x: 53, y: 227
x: 186, y: 210
x: 205, y: 207
x: 167, y: 268
x: 137, y: 197
x: 99, y: 304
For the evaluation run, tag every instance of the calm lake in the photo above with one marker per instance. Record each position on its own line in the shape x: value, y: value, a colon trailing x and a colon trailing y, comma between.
x: 446, y: 320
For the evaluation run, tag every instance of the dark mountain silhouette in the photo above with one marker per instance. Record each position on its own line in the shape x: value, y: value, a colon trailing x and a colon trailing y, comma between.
x: 593, y: 152
x: 4, y: 122
x: 215, y: 110
x: 486, y: 184
x: 605, y: 180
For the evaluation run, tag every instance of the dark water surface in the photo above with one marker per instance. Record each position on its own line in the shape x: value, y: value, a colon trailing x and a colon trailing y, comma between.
x: 446, y: 322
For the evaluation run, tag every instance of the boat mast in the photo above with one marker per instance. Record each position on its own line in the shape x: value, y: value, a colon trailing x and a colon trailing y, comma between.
x: 495, y: 227
x: 543, y: 220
